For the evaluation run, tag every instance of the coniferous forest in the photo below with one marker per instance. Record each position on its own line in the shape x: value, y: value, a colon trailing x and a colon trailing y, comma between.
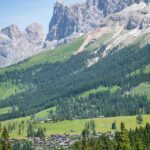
x: 60, y: 84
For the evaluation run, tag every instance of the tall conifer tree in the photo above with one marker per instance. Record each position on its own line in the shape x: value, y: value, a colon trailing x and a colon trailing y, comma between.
x: 123, y: 139
x: 5, y: 144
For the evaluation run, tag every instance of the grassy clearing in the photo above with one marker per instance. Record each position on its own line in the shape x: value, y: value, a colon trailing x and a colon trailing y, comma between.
x: 146, y: 70
x: 8, y: 89
x: 142, y: 89
x: 57, y: 55
x: 45, y: 113
x: 102, y: 125
x: 100, y: 89
x: 5, y: 110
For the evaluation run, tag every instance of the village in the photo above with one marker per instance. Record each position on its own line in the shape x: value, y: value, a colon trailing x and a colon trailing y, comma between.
x: 54, y: 142
x: 59, y: 142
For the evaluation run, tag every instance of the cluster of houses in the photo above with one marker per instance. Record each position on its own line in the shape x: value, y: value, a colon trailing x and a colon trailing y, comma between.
x: 61, y: 141
x: 54, y: 141
x: 58, y: 142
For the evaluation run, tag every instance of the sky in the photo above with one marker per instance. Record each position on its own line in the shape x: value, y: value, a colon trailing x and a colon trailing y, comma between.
x: 24, y: 12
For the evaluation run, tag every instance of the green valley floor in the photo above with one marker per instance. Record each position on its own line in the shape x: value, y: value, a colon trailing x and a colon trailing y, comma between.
x: 102, y: 125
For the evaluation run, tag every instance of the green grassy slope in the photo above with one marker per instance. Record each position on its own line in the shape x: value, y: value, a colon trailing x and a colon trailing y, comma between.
x: 142, y: 89
x: 59, y: 54
x: 8, y: 89
x: 99, y: 89
x: 5, y: 110
x: 44, y: 113
x: 102, y: 125
x: 146, y: 70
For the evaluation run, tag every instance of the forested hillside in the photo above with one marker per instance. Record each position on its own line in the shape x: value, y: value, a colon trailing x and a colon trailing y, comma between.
x: 61, y: 83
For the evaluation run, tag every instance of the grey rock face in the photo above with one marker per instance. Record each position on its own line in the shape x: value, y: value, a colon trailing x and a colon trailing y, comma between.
x: 69, y: 19
x: 35, y: 34
x: 84, y: 17
x: 113, y: 6
x: 145, y: 23
x: 16, y: 46
x: 133, y: 23
x: 134, y: 17
x: 12, y: 31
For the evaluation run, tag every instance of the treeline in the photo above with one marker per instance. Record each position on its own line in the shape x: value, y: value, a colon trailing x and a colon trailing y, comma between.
x: 54, y: 82
x: 137, y: 139
x: 105, y: 104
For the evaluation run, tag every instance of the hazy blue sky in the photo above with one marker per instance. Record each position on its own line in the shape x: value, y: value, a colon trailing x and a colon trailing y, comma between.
x: 24, y: 12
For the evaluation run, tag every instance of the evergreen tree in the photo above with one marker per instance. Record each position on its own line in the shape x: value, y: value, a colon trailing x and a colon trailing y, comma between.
x: 90, y: 127
x: 114, y: 126
x: 0, y: 139
x: 27, y: 146
x: 86, y: 145
x: 93, y: 127
x: 19, y: 132
x: 0, y: 127
x: 139, y: 144
x: 40, y: 132
x: 17, y: 146
x: 123, y: 140
x: 100, y: 145
x: 5, y: 144
x: 30, y: 130
x: 139, y: 119
x: 85, y: 133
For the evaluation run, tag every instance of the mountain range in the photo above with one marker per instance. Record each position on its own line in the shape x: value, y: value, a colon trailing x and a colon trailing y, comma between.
x: 70, y: 22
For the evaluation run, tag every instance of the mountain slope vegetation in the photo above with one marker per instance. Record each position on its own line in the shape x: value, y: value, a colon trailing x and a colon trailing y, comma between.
x: 54, y: 81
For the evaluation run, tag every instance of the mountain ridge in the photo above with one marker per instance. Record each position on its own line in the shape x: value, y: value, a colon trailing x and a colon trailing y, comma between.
x: 69, y: 23
x: 84, y: 16
x: 16, y: 45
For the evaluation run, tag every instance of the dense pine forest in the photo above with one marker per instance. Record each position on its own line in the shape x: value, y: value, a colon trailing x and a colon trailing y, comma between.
x: 60, y: 84
x: 101, y: 105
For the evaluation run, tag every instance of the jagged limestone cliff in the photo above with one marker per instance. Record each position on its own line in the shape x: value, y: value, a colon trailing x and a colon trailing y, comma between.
x: 91, y: 14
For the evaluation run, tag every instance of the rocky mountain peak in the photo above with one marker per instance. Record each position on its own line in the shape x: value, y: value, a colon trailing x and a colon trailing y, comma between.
x: 87, y: 16
x: 11, y: 31
x: 90, y: 3
x: 75, y: 18
x: 16, y: 45
x: 35, y: 33
x: 58, y: 3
